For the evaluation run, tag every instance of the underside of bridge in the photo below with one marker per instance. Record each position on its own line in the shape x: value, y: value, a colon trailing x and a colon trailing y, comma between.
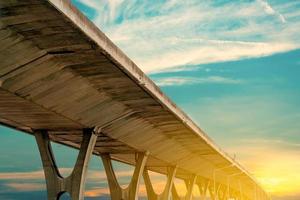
x: 63, y: 80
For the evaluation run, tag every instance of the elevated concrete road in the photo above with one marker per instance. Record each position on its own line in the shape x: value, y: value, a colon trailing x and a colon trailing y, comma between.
x: 60, y: 73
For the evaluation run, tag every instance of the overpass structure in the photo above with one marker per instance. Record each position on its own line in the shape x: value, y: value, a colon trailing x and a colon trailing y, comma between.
x: 63, y: 80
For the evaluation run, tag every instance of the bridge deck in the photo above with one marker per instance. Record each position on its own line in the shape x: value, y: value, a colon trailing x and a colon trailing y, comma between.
x: 59, y: 72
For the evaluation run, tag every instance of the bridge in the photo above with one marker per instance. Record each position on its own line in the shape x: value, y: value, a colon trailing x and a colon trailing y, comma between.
x: 63, y: 80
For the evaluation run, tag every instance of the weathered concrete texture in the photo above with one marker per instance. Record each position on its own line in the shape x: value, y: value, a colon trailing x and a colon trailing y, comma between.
x: 203, y: 188
x: 166, y: 194
x: 130, y: 193
x: 189, y: 183
x: 59, y: 72
x: 73, y: 184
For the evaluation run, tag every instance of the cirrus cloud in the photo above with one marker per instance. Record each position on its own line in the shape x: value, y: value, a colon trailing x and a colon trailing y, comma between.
x: 181, y: 80
x: 163, y: 35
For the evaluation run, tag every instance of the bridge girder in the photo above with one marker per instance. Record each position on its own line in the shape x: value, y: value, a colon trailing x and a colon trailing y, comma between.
x: 49, y: 49
x: 74, y: 184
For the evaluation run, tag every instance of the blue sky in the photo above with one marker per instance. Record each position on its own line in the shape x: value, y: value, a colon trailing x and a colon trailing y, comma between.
x: 193, y: 32
x: 233, y: 66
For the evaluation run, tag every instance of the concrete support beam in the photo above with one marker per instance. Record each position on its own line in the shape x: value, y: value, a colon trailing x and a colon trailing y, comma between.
x: 189, y: 186
x: 165, y: 195
x: 236, y: 196
x: 213, y: 190
x: 203, y: 187
x: 56, y: 183
x: 175, y: 195
x: 130, y: 193
x: 241, y: 190
x: 222, y: 193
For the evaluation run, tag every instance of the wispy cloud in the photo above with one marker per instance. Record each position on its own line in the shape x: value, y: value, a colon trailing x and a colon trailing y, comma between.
x: 21, y: 175
x: 24, y: 187
x: 159, y: 36
x: 96, y: 192
x: 37, y: 175
x: 178, y: 81
x: 158, y: 187
x: 35, y: 181
x: 269, y: 10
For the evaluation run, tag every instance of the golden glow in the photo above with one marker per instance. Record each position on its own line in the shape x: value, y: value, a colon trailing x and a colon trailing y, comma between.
x: 182, y: 190
x: 180, y: 187
x: 276, y: 166
x: 280, y: 178
x: 159, y: 181
x: 96, y: 192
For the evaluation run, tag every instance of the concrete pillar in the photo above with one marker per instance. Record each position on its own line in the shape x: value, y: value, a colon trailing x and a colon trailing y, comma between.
x: 236, y: 196
x: 203, y: 186
x: 213, y: 190
x: 73, y: 184
x: 189, y: 186
x: 222, y: 193
x: 116, y: 192
x: 165, y: 195
x: 175, y: 195
x: 241, y: 190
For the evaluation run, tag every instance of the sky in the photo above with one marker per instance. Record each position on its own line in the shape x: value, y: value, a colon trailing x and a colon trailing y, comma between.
x: 232, y: 66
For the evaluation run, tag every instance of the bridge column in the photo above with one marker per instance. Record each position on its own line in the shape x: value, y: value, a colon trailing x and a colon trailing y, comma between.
x: 235, y: 195
x: 175, y: 195
x: 222, y: 193
x: 203, y: 186
x: 213, y: 190
x: 165, y: 195
x: 189, y: 186
x: 56, y: 183
x: 116, y: 192
x: 241, y: 190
